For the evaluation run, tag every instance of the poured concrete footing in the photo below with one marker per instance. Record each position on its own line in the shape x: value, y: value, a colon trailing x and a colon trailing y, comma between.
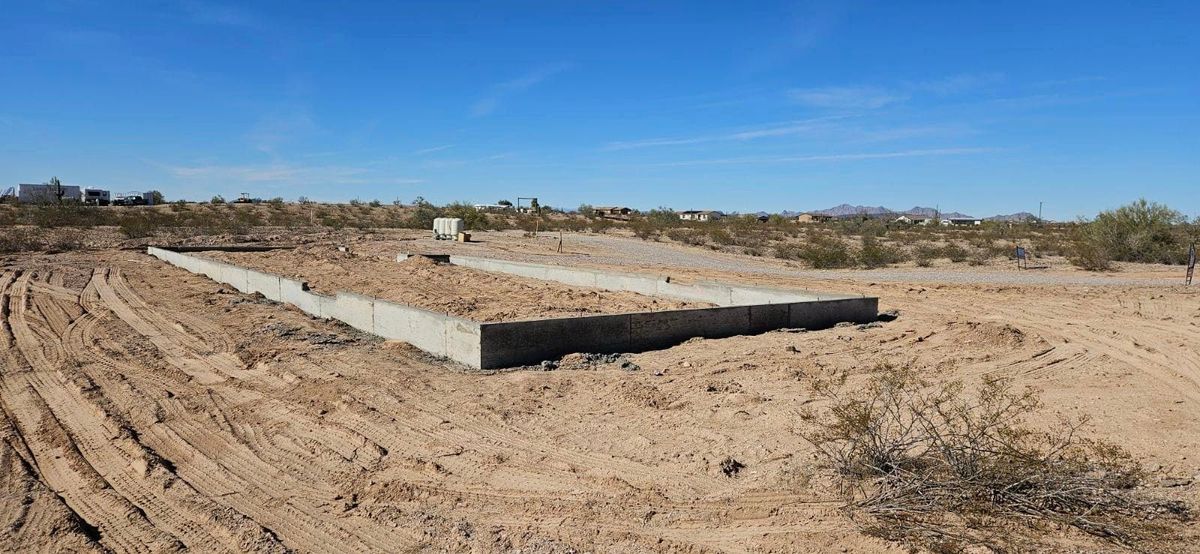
x: 741, y: 310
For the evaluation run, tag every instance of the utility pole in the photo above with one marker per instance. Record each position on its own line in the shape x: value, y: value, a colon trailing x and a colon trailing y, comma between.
x: 1040, y: 212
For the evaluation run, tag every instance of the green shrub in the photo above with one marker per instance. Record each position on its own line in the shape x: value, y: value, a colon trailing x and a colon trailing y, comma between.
x: 924, y: 255
x: 823, y: 252
x: 954, y: 253
x: 597, y: 225
x: 473, y: 219
x: 720, y: 236
x: 694, y: 237
x: 875, y: 254
x: 1090, y: 255
x: 1139, y: 232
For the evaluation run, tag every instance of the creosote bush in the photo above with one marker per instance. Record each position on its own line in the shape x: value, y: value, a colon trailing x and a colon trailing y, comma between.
x: 820, y: 251
x: 875, y: 254
x: 936, y: 467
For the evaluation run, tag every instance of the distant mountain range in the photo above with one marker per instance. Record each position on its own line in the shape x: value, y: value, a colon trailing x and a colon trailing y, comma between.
x: 847, y: 210
x: 1019, y: 216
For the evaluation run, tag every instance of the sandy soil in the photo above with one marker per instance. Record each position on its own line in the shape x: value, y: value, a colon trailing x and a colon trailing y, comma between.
x: 459, y: 291
x: 144, y: 410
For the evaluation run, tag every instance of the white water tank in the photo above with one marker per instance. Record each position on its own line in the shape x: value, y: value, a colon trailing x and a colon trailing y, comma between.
x: 447, y: 228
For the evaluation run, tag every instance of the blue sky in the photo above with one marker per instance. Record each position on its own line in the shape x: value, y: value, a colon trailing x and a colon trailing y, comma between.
x: 980, y: 107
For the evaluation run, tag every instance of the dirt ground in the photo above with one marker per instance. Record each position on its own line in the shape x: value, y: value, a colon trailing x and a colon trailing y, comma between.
x: 449, y: 289
x: 145, y: 411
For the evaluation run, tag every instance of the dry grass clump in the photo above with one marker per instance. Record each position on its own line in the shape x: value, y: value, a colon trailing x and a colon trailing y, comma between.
x: 937, y: 468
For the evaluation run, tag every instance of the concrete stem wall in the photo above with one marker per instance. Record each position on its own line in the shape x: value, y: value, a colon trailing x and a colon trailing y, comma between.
x: 713, y: 293
x: 438, y: 334
x: 742, y: 311
x: 508, y: 344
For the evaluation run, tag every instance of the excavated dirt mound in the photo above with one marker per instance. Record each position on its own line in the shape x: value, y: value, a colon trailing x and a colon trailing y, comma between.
x: 459, y: 291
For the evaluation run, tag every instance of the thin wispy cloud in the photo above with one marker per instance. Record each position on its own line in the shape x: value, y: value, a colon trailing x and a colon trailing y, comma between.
x: 432, y: 149
x: 866, y: 97
x: 857, y: 156
x: 957, y: 84
x: 775, y: 130
x: 502, y: 91
x: 846, y: 98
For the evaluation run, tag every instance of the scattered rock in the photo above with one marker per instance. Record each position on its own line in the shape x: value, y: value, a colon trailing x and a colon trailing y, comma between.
x: 871, y: 325
x: 604, y: 358
x: 328, y: 339
x: 281, y: 330
x: 630, y: 366
x: 549, y: 365
x: 1172, y: 482
x: 890, y: 315
x: 730, y: 467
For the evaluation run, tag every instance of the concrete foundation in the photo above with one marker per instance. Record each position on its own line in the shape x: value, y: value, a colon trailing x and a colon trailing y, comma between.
x: 741, y: 310
x: 720, y: 294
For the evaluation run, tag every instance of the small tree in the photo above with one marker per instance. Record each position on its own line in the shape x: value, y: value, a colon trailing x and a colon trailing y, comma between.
x: 505, y: 203
x: 1139, y: 232
x: 218, y: 199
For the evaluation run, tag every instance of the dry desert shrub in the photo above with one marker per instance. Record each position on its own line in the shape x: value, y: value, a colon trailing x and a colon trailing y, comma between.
x: 935, y: 467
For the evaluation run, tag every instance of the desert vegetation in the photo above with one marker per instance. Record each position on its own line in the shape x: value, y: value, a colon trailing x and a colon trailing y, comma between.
x: 1139, y: 232
x: 941, y: 468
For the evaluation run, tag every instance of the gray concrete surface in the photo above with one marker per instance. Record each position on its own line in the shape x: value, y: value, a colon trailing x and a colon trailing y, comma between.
x: 265, y: 284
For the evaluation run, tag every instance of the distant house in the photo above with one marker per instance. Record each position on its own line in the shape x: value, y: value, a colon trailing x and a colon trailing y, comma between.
x: 914, y: 220
x: 813, y: 218
x: 700, y: 215
x: 612, y: 212
x: 962, y: 221
x: 491, y: 207
x: 37, y: 194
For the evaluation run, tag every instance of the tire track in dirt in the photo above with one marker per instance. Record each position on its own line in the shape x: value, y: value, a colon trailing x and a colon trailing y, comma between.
x: 216, y: 461
x: 173, y: 343
x: 34, y: 518
x: 137, y: 473
x: 121, y: 525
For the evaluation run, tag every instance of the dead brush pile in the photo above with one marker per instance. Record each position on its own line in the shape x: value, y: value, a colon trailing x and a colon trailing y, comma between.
x: 933, y: 467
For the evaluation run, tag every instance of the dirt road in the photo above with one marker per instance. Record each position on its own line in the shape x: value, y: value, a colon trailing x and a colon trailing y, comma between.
x: 143, y: 411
